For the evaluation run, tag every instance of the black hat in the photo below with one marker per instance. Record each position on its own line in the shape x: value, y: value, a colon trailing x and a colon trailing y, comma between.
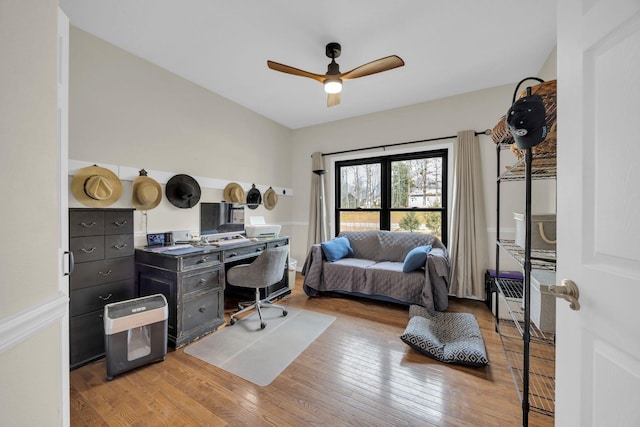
x: 183, y: 191
x: 254, y: 197
x: 526, y: 121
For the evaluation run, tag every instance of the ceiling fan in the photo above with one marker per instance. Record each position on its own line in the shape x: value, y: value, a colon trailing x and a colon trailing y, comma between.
x: 333, y: 79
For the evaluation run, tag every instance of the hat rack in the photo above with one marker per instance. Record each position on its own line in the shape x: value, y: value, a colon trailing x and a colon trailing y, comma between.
x: 129, y: 173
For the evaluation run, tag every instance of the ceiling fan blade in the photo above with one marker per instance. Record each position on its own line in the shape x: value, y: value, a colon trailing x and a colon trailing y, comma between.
x: 333, y: 99
x: 373, y: 67
x: 295, y: 71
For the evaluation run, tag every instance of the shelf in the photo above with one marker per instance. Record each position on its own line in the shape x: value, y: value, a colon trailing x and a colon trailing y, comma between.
x: 540, y: 259
x: 541, y: 370
x: 543, y: 167
x: 511, y: 291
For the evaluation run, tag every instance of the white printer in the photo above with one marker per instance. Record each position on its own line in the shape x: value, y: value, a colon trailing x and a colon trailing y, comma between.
x: 258, y: 228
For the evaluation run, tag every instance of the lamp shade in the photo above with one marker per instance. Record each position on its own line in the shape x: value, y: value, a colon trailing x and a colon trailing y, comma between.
x: 333, y: 85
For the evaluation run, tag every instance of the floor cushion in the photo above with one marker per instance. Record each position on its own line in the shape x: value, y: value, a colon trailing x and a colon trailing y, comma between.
x: 447, y: 337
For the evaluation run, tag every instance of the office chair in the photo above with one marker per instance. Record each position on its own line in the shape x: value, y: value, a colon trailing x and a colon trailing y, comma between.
x: 266, y: 270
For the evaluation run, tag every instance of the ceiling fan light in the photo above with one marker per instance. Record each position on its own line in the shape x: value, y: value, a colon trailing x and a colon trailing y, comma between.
x: 333, y: 85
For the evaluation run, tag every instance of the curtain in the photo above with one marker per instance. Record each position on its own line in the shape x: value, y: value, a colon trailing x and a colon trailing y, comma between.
x: 468, y: 245
x: 318, y: 221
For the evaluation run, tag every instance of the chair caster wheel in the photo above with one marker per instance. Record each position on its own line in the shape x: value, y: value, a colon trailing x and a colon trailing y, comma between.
x: 284, y: 313
x: 263, y: 325
x: 232, y: 321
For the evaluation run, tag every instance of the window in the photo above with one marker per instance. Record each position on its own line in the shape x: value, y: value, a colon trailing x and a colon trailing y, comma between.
x: 406, y: 192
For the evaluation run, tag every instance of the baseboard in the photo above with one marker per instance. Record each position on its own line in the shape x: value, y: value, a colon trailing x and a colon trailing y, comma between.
x: 28, y: 322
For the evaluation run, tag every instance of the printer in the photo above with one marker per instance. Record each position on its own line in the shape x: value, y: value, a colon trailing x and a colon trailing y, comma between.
x: 258, y: 228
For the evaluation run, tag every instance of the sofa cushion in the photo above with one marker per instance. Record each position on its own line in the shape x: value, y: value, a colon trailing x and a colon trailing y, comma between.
x: 336, y: 249
x: 447, y: 337
x: 416, y: 258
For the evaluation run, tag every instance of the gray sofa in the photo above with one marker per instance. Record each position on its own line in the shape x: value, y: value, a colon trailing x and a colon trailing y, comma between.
x: 375, y: 269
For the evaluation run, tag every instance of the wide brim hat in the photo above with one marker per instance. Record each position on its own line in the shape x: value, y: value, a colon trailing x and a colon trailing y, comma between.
x: 254, y: 197
x: 96, y: 187
x: 526, y: 121
x: 147, y: 192
x: 183, y: 191
x: 233, y: 193
x: 270, y: 199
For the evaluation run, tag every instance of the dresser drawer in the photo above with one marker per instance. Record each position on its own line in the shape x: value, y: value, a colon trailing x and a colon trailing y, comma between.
x: 86, y: 338
x: 238, y: 253
x: 202, y: 282
x: 200, y: 311
x: 98, y: 272
x: 95, y: 297
x: 118, y: 245
x: 86, y: 222
x: 87, y: 248
x: 118, y: 221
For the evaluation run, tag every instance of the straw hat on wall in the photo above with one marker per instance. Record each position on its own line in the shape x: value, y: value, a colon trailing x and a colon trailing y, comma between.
x: 270, y: 199
x: 96, y: 187
x: 233, y: 193
x: 147, y: 193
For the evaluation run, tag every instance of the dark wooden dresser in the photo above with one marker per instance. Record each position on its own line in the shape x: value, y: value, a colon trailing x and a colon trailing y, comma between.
x: 102, y: 244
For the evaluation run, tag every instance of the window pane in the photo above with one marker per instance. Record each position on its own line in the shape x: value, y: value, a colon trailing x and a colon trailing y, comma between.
x: 417, y: 222
x: 416, y: 183
x: 360, y: 186
x: 358, y: 221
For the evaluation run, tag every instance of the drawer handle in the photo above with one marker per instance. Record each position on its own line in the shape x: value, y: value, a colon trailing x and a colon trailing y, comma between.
x: 232, y: 254
x: 105, y: 298
x: 202, y: 281
x: 120, y: 246
x: 88, y: 251
x: 105, y: 274
x: 202, y: 309
x: 85, y: 225
x: 203, y: 259
x: 120, y: 223
x: 258, y: 250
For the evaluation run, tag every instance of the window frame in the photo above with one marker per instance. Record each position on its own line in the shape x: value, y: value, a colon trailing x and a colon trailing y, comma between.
x: 385, y: 209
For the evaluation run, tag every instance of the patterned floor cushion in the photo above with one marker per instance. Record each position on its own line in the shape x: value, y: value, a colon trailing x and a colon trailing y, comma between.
x: 447, y: 337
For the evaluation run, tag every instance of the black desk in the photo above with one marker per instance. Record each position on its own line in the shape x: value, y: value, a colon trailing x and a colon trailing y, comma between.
x: 195, y: 284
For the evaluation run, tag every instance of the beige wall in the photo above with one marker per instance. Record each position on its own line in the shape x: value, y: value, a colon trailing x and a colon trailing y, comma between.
x: 126, y: 111
x: 31, y: 369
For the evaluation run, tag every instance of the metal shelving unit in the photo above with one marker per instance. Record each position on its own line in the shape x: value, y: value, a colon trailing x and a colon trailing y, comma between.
x: 530, y: 352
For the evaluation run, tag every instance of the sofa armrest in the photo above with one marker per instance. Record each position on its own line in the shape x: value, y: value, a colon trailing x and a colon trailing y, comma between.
x: 438, y: 271
x: 312, y: 270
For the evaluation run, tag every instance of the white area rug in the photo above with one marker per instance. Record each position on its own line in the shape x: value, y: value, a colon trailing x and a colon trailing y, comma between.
x: 260, y: 355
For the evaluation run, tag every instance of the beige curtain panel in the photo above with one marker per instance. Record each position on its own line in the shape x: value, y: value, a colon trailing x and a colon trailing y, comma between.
x: 318, y: 220
x: 468, y: 243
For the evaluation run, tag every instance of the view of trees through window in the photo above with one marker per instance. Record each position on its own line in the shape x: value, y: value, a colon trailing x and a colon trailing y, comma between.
x: 397, y: 193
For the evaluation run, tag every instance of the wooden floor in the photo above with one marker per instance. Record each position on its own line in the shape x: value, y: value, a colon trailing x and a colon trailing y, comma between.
x: 358, y: 372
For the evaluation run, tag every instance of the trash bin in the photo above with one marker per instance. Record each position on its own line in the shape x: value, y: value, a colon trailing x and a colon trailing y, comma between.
x: 135, y: 333
x: 292, y: 273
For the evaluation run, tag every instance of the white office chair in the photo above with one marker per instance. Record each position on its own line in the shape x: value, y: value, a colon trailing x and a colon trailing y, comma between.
x: 266, y: 270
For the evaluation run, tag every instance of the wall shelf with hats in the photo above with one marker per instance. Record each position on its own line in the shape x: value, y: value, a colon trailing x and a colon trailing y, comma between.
x: 129, y: 173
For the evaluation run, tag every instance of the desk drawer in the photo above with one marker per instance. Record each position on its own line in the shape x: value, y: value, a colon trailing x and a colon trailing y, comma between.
x: 118, y: 245
x: 202, y: 282
x: 95, y: 297
x: 87, y: 249
x: 200, y: 260
x: 99, y: 272
x: 201, y: 311
x: 86, y: 223
x: 277, y: 244
x: 239, y: 253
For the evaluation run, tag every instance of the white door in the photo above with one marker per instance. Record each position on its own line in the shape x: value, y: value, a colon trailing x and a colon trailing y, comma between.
x: 598, y: 347
x: 63, y: 197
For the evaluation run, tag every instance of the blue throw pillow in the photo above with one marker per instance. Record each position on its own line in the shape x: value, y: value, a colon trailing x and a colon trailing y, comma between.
x: 416, y: 258
x: 336, y: 249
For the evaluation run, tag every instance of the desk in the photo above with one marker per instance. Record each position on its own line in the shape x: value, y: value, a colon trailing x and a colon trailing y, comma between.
x: 195, y: 284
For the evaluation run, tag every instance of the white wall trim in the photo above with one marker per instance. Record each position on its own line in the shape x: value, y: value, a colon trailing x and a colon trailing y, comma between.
x: 28, y: 322
x: 129, y: 173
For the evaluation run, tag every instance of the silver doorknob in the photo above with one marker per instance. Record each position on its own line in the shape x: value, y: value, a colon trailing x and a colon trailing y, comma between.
x: 568, y: 290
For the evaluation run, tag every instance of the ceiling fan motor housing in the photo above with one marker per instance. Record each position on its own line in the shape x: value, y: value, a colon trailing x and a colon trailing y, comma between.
x: 333, y: 50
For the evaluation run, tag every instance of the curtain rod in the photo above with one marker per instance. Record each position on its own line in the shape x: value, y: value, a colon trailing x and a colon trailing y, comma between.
x: 485, y: 132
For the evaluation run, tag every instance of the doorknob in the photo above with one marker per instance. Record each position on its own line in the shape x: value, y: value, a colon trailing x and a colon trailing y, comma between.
x: 568, y: 291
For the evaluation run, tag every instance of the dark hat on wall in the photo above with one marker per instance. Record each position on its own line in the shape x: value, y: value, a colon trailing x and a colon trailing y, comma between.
x: 147, y: 193
x: 96, y: 187
x: 183, y: 191
x: 233, y: 193
x: 526, y: 121
x: 270, y: 199
x: 254, y: 197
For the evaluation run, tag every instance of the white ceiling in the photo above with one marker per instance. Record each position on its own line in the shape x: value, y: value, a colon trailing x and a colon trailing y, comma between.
x: 449, y: 47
